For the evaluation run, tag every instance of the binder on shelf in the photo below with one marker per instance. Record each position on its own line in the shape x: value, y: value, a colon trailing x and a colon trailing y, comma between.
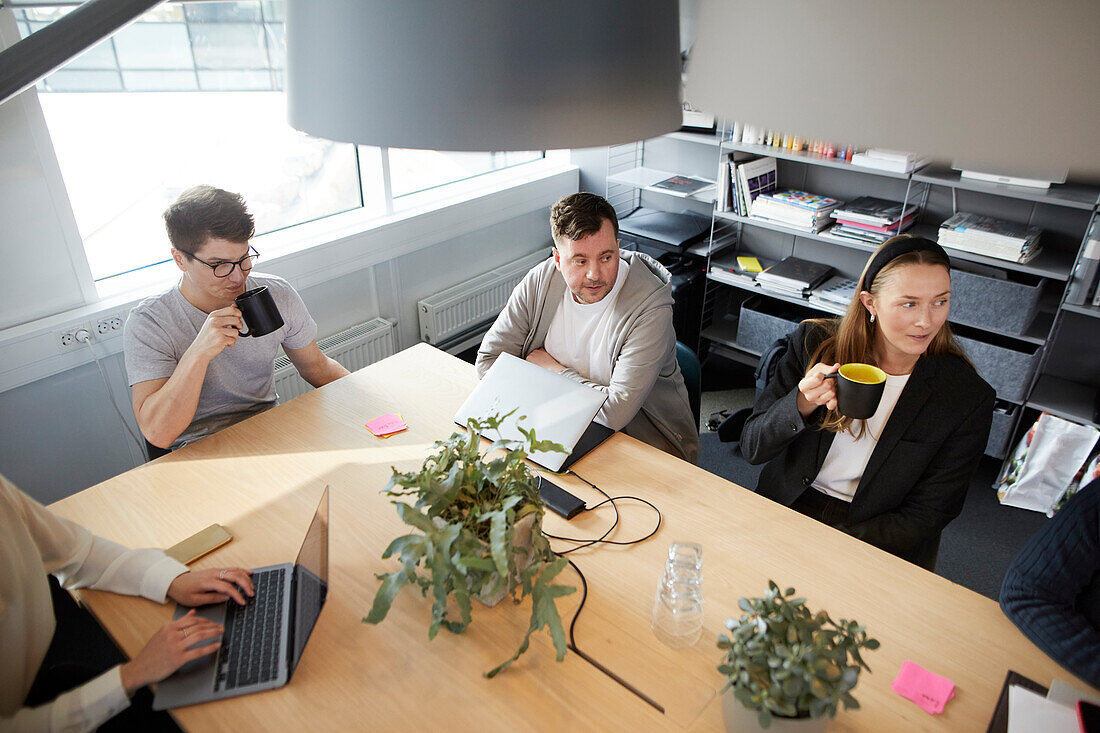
x: 794, y: 275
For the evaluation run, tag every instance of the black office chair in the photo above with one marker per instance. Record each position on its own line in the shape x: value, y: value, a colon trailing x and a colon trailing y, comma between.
x: 154, y: 452
x: 693, y: 377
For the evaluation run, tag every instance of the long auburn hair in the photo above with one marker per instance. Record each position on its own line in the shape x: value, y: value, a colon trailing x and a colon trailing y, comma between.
x: 851, y: 338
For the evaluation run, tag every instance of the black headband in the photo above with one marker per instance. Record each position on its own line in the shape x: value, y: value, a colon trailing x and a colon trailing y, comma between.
x: 896, y: 249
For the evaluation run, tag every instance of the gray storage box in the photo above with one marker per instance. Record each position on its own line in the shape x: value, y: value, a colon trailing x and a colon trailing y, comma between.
x: 986, y: 302
x: 1000, y: 433
x: 1007, y: 370
x: 763, y: 321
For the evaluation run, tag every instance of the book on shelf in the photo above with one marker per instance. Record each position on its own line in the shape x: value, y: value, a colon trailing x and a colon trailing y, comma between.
x: 796, y: 274
x: 874, y: 211
x: 683, y: 185
x: 960, y: 241
x: 802, y: 200
x: 888, y: 160
x: 859, y: 235
x: 992, y: 229
x: 792, y: 216
x: 837, y: 291
x: 1083, y: 283
x: 786, y: 290
x: 755, y: 177
x: 895, y: 228
x: 724, y: 193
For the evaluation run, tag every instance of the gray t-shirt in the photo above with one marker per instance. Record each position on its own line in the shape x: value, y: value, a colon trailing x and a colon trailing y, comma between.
x: 240, y: 380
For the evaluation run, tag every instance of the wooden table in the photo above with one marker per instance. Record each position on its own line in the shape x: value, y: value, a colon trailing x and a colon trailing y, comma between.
x: 263, y: 477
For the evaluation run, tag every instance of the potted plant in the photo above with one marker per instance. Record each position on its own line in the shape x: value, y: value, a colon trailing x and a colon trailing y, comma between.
x: 478, y: 535
x: 787, y: 664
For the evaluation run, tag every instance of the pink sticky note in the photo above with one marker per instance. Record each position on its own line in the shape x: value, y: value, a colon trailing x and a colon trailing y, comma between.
x: 386, y: 425
x: 927, y: 689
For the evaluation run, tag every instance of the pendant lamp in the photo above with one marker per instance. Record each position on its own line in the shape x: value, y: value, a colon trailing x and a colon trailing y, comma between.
x: 490, y: 75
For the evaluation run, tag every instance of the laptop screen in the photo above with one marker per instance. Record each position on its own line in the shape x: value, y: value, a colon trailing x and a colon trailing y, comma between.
x: 310, y: 580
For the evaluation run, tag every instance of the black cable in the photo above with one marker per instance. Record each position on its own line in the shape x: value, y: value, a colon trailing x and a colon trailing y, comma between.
x: 573, y: 647
x: 584, y: 582
x: 602, y: 539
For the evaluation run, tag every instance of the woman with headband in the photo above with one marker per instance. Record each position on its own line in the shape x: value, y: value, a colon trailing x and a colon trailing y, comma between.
x: 896, y: 479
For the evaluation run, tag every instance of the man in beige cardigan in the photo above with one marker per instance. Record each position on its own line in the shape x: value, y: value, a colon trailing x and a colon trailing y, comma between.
x: 604, y: 318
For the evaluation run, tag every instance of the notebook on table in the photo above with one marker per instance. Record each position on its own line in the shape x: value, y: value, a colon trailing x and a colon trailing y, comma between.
x: 264, y: 638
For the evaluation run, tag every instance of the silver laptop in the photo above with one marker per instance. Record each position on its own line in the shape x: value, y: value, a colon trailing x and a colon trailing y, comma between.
x: 557, y: 407
x: 263, y: 639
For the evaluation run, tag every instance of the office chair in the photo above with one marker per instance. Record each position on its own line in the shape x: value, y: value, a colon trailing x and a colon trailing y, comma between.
x: 693, y: 377
x: 154, y: 452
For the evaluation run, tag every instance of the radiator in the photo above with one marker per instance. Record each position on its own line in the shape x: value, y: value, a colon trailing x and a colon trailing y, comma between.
x: 469, y: 308
x: 354, y: 348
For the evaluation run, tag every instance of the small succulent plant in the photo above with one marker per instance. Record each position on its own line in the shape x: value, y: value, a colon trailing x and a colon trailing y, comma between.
x: 781, y: 659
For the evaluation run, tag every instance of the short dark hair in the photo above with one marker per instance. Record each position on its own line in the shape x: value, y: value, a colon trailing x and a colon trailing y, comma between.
x: 205, y: 212
x: 580, y: 215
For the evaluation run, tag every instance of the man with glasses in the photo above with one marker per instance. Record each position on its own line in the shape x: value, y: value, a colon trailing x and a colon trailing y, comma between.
x: 190, y: 372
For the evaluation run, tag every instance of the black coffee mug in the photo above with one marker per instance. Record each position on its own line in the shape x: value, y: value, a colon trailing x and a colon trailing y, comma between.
x: 858, y: 389
x: 259, y: 311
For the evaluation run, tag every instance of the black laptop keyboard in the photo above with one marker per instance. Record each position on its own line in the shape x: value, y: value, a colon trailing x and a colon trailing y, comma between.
x: 250, y: 646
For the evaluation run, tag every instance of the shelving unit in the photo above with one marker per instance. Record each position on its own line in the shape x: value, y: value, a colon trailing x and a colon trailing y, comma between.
x: 1060, y: 345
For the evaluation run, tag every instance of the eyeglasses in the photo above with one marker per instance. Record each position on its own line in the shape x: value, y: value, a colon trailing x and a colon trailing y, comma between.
x: 225, y: 269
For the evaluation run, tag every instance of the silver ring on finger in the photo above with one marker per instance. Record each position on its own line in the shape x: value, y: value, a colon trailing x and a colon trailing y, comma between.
x: 223, y: 572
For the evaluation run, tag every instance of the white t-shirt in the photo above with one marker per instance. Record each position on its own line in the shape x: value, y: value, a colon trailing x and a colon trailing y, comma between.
x: 847, y: 459
x: 578, y: 334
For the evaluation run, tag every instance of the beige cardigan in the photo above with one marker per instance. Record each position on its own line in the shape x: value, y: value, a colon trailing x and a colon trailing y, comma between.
x: 646, y: 397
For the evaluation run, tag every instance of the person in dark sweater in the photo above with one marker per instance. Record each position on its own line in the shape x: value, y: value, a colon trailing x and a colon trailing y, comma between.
x: 1052, y: 589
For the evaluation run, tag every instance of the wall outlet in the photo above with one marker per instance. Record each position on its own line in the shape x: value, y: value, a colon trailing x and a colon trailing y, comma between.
x: 66, y: 339
x: 110, y: 326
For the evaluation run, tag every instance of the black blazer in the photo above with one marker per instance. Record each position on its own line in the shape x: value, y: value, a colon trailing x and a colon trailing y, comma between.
x: 916, y: 479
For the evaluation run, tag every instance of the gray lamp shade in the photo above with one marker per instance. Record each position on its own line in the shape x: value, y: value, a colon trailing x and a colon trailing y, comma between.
x: 483, y: 74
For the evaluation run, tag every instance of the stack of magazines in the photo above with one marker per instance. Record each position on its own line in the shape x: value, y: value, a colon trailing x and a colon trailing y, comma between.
x: 793, y: 276
x: 991, y: 237
x: 808, y: 212
x: 835, y: 293
x: 872, y: 220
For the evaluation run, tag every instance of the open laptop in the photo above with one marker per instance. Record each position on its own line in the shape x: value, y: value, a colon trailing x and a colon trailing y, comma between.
x: 263, y: 639
x: 557, y: 407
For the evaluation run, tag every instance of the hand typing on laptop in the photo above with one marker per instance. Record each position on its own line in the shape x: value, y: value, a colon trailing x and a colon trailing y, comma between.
x: 214, y: 585
x: 174, y: 644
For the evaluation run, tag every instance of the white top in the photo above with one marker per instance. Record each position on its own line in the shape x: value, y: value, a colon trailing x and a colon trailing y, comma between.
x: 844, y: 465
x: 33, y: 542
x: 578, y: 335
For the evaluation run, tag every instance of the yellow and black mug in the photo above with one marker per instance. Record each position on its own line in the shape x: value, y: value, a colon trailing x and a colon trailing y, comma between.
x: 858, y: 389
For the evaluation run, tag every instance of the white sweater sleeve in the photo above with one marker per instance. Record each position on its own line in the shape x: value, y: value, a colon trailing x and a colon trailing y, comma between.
x: 82, y: 708
x: 79, y: 559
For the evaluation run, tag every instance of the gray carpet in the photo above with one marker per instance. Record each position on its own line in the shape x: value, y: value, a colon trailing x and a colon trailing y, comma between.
x: 976, y: 548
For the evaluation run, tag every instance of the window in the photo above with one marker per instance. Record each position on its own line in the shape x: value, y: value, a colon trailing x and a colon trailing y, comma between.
x: 192, y: 93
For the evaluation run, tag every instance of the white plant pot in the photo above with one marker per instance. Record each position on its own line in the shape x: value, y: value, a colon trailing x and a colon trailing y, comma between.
x: 739, y: 719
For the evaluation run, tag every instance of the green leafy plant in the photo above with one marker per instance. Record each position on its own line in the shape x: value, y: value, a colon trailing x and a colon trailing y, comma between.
x: 784, y: 660
x: 472, y: 516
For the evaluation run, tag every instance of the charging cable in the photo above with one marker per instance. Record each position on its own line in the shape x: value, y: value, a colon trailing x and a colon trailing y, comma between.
x: 82, y: 336
x: 602, y: 539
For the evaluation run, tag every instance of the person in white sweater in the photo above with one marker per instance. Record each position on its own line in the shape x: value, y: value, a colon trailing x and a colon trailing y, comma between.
x: 34, y: 542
